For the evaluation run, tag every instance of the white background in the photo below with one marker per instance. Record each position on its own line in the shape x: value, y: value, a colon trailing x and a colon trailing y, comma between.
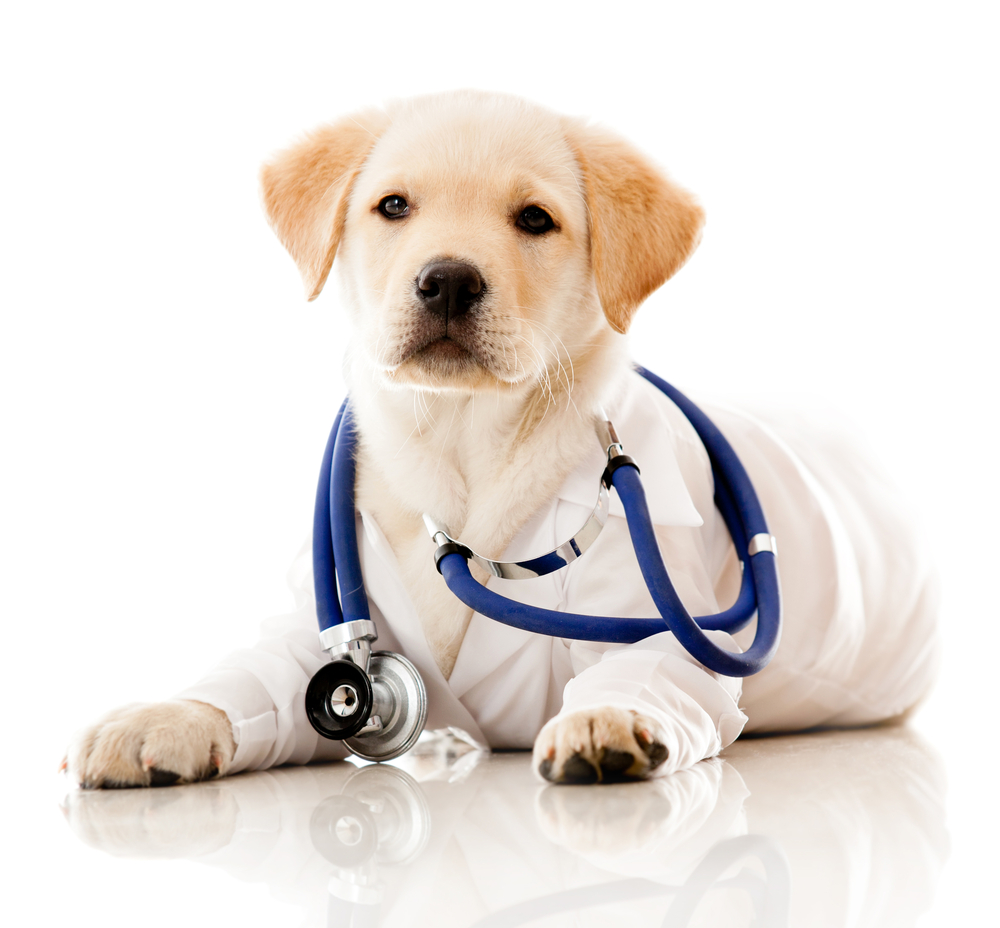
x: 167, y: 390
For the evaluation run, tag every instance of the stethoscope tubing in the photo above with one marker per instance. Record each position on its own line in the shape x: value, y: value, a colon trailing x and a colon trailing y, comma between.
x: 343, y: 514
x: 328, y: 609
x: 336, y: 558
x: 688, y: 630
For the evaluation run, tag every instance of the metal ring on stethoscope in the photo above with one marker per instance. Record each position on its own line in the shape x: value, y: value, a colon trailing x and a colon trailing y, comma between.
x: 575, y: 547
x: 562, y: 555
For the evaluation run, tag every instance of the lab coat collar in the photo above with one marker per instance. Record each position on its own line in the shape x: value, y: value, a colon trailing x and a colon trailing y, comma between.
x: 642, y: 417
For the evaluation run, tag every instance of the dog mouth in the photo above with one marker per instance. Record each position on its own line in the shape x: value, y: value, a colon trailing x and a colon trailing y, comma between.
x: 449, y: 352
x: 444, y: 349
x: 443, y: 359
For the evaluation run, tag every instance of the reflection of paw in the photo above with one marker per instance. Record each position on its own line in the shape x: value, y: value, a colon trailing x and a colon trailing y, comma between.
x: 612, y: 821
x: 598, y: 745
x: 165, y: 823
x: 153, y: 745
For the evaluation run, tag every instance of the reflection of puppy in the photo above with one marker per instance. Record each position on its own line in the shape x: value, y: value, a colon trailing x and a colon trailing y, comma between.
x: 623, y: 827
x: 858, y: 815
x: 491, y: 255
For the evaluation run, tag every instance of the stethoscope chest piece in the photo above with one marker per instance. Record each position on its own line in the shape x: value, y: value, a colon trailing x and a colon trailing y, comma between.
x: 399, y: 708
x: 373, y: 701
x: 379, y: 821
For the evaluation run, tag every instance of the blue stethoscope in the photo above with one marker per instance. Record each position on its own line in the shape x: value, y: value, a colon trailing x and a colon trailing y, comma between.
x: 375, y: 701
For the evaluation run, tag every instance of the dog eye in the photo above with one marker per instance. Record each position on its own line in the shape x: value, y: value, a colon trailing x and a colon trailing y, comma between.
x: 393, y: 207
x: 535, y: 220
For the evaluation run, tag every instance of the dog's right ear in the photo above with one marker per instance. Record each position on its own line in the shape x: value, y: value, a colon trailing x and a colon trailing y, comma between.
x: 305, y: 190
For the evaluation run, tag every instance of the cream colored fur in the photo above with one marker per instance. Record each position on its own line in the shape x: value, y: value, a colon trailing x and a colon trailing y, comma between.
x: 457, y: 436
x: 153, y: 745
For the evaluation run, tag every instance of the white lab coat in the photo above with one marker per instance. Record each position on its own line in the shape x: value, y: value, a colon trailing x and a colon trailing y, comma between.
x: 858, y: 644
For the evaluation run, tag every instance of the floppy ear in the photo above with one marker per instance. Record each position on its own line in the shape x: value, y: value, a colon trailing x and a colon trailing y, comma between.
x: 306, y: 188
x: 642, y: 227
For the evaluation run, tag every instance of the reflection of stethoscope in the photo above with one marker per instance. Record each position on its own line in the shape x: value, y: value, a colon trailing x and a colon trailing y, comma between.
x: 770, y: 895
x: 376, y: 702
x: 381, y: 818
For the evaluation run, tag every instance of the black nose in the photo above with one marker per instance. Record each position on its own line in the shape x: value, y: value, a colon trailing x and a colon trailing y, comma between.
x: 449, y: 288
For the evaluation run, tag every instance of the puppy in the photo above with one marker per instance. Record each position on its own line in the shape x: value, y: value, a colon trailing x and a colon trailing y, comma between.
x: 491, y: 255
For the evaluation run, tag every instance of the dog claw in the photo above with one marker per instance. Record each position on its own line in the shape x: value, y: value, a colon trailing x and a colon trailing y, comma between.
x: 158, y: 777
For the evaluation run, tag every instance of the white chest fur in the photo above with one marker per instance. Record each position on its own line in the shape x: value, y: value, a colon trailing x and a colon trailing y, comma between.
x: 480, y: 464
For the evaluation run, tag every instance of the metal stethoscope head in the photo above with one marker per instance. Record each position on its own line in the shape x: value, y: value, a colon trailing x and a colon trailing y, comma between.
x: 373, y: 701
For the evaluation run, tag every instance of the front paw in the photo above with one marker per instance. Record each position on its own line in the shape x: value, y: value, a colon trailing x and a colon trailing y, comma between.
x: 161, y: 744
x: 598, y: 746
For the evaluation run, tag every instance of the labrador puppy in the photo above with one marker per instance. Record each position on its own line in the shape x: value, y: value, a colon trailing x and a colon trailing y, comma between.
x: 491, y: 256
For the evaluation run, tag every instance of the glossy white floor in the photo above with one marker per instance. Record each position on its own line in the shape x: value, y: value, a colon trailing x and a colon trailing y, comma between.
x: 827, y: 829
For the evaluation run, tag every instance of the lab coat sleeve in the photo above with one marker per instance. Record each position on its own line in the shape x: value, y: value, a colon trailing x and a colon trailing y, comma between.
x: 262, y: 690
x: 697, y: 710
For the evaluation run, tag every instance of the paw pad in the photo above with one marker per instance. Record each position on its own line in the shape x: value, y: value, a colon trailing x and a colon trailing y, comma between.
x: 578, y: 770
x: 604, y: 745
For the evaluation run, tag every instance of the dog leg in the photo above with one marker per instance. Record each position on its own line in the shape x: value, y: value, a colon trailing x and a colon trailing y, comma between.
x: 598, y: 746
x: 161, y: 744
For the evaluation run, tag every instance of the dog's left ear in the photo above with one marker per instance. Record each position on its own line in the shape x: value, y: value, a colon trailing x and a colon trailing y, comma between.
x: 306, y: 189
x: 642, y: 227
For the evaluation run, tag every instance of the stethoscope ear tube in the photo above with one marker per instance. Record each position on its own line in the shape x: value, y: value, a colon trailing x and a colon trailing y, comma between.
x: 759, y: 591
x: 732, y: 481
x: 679, y: 621
x: 741, y: 613
x: 455, y: 570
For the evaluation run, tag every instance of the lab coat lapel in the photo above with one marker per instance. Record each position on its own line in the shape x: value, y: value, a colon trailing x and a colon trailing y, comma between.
x: 385, y: 589
x: 487, y: 643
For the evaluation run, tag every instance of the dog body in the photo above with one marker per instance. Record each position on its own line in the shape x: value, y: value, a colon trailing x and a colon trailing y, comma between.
x: 491, y: 255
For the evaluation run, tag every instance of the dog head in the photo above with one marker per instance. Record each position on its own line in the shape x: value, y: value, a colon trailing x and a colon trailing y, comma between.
x: 480, y: 239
